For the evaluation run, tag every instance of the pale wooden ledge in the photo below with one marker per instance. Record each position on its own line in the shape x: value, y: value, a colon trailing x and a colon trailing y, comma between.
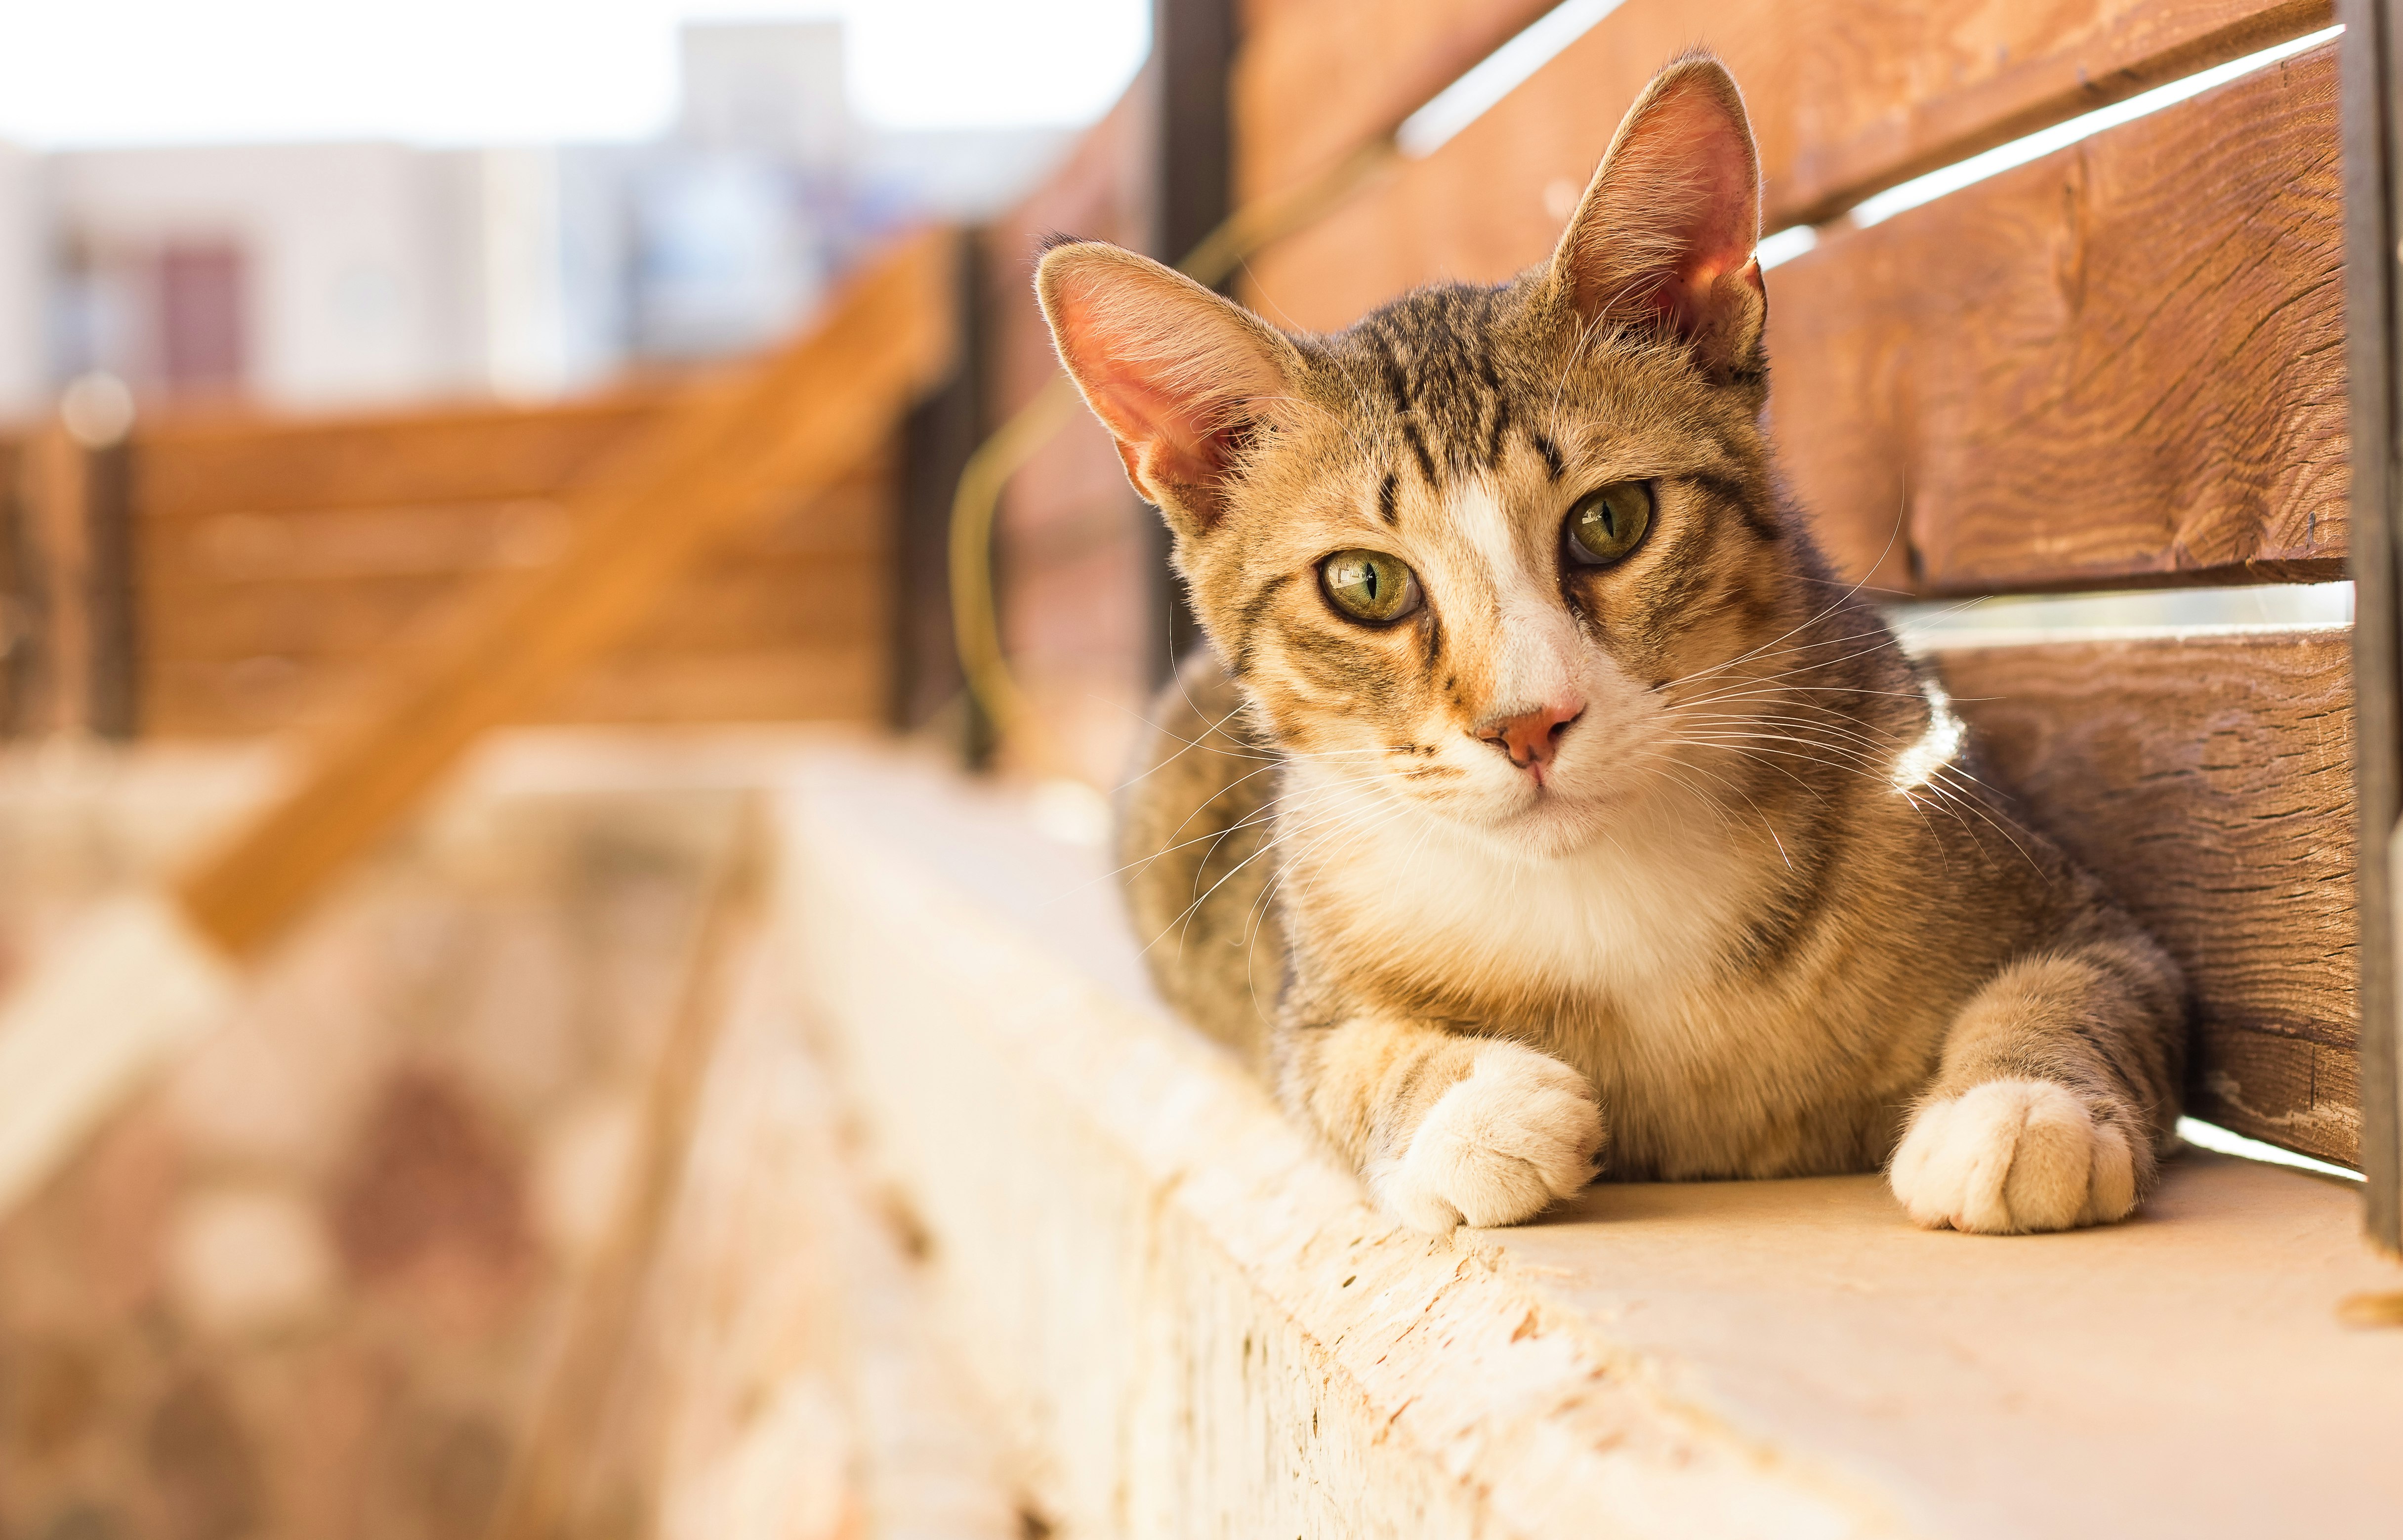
x: 1196, y: 1327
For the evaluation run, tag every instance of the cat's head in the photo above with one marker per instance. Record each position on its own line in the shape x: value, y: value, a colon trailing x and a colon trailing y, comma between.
x: 1465, y: 552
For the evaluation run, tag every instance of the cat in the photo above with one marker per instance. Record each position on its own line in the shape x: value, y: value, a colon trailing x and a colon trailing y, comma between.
x: 1542, y: 792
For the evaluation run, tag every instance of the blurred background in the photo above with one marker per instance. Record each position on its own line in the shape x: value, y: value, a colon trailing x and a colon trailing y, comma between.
x: 338, y: 303
x: 308, y: 206
x: 319, y: 322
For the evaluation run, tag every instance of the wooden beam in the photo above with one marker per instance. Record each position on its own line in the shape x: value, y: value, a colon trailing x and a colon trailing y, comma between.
x: 58, y: 584
x: 731, y: 454
x: 937, y: 440
x: 111, y: 602
x: 1312, y: 82
x: 2208, y: 781
x: 1845, y: 99
x: 197, y: 466
x: 17, y: 614
x: 2121, y: 363
x: 2373, y: 175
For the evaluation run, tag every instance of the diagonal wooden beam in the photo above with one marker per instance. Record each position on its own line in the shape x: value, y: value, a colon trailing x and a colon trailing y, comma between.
x: 147, y: 974
x: 727, y: 459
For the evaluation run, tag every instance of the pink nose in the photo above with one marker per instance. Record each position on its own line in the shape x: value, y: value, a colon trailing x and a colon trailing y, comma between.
x: 1530, y: 736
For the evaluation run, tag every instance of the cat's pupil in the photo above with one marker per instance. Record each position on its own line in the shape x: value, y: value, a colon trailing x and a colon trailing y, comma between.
x: 1368, y: 586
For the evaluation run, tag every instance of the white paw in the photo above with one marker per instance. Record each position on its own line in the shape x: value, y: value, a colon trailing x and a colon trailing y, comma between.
x: 2013, y: 1155
x: 1521, y: 1130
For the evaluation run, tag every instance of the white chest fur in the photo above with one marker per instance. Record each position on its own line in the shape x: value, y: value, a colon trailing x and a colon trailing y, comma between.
x: 1638, y: 916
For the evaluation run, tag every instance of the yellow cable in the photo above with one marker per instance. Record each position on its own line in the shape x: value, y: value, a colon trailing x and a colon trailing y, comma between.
x: 976, y: 629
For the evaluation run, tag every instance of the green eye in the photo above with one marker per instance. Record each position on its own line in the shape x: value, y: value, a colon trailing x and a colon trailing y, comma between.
x: 1368, y: 585
x: 1606, y: 524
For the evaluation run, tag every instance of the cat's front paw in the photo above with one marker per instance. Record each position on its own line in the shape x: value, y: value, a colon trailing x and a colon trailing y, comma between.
x: 1498, y: 1146
x: 2010, y: 1156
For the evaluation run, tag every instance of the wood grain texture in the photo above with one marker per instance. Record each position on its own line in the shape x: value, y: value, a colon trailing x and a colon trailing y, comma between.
x: 754, y: 605
x: 2208, y: 780
x: 224, y: 462
x: 730, y: 457
x: 1871, y: 92
x: 842, y: 681
x: 1846, y: 97
x: 2124, y: 361
x: 268, y: 618
x: 2121, y: 363
x: 1314, y: 79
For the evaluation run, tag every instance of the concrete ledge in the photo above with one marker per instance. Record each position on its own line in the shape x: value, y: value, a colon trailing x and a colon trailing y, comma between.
x: 1198, y: 1327
x: 1193, y: 1320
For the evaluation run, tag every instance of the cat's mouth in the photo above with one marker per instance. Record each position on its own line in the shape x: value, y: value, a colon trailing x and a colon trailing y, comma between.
x: 1550, y: 811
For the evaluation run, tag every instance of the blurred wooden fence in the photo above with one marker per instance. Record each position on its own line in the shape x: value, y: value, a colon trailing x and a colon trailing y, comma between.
x: 268, y: 562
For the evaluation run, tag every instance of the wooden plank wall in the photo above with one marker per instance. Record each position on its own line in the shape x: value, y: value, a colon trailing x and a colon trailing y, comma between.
x: 274, y: 557
x: 2121, y: 363
x: 1847, y: 96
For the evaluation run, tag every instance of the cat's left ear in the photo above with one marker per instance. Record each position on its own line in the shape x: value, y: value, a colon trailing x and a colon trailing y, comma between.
x: 1180, y: 376
x: 1665, y: 232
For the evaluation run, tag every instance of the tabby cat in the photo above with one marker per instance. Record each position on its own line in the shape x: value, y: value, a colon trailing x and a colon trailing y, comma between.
x: 1545, y: 804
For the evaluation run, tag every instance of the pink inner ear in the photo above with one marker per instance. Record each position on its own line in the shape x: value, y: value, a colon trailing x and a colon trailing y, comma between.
x: 1680, y: 207
x: 1162, y: 438
x: 1167, y: 382
x: 1702, y: 148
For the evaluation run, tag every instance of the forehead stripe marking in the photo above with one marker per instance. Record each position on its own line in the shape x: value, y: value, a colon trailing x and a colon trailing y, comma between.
x: 1398, y: 383
x: 1551, y: 451
x: 1387, y: 508
x: 1501, y: 426
x: 1419, y: 448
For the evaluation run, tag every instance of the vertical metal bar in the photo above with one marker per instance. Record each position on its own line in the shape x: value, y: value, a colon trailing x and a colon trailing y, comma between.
x: 1193, y: 47
x: 15, y: 603
x: 112, y: 608
x: 2373, y: 195
x: 937, y: 437
x: 58, y: 589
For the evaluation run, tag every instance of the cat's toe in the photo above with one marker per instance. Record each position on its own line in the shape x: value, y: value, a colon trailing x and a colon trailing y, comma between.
x: 2011, y: 1156
x: 1499, y: 1147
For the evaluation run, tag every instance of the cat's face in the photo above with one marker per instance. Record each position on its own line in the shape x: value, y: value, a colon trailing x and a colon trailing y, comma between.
x: 1496, y: 640
x: 1465, y: 554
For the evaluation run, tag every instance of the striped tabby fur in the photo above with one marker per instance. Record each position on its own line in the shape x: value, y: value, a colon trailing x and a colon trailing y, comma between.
x: 1673, y: 867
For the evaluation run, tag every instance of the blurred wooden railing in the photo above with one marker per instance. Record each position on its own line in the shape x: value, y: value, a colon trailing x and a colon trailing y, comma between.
x: 146, y: 975
x: 272, y: 562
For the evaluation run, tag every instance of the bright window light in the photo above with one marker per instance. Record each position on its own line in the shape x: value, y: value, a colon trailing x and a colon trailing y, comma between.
x: 2003, y: 620
x: 475, y: 72
x: 2211, y: 1136
x: 2019, y: 152
x: 1785, y: 245
x: 1496, y: 76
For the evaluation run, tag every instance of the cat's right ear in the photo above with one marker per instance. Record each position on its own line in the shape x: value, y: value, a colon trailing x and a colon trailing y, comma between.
x: 1179, y: 375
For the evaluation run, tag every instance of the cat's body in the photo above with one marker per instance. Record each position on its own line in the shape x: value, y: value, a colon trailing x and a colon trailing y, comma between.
x: 1553, y: 802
